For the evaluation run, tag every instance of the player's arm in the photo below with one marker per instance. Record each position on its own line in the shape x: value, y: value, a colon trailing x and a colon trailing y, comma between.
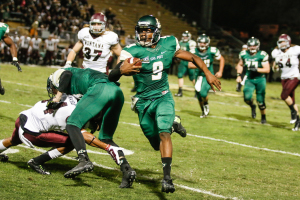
x: 116, y: 49
x: 13, y: 50
x: 265, y: 68
x: 219, y: 74
x: 198, y: 62
x: 123, y: 68
x: 78, y: 46
x: 239, y: 70
x: 64, y: 84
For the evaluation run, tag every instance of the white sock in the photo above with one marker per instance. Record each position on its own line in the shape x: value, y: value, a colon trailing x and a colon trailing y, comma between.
x: 54, y: 153
x: 2, y: 147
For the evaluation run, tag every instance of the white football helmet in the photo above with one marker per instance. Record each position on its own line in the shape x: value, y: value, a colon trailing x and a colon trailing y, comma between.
x: 98, y: 23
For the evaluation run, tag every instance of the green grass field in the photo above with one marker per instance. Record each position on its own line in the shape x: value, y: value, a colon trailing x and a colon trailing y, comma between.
x: 227, y: 155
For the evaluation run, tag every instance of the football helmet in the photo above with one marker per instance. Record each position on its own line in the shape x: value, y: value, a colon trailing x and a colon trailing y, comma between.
x: 284, y: 41
x: 253, y: 44
x: 96, y: 19
x: 186, y: 36
x: 144, y: 23
x: 203, y: 42
x: 49, y: 88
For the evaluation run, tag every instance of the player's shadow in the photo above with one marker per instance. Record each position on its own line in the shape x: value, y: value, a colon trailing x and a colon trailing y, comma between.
x: 8, y: 118
x: 191, y: 112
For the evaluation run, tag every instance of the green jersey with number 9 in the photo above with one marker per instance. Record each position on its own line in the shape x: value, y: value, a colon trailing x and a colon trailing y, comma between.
x: 4, y: 29
x: 152, y: 81
x: 254, y: 61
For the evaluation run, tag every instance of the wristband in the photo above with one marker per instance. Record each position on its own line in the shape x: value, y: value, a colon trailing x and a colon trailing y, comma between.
x: 238, y: 74
x: 15, y: 59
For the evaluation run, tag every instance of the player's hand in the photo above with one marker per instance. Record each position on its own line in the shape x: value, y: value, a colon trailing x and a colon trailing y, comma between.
x: 128, y: 69
x: 113, y: 152
x: 239, y: 79
x: 219, y: 74
x: 15, y: 63
x: 53, y: 105
x: 213, y: 82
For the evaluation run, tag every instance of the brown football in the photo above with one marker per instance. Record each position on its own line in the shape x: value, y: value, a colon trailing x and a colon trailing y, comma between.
x: 132, y: 60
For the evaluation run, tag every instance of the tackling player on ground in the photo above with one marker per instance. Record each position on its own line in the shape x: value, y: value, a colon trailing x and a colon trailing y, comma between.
x: 207, y: 54
x: 257, y: 65
x: 153, y: 101
x: 96, y: 44
x: 186, y: 44
x: 286, y: 59
x: 4, y: 30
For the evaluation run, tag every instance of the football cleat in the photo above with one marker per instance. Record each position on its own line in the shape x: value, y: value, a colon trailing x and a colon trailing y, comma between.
x: 177, y: 127
x: 38, y: 168
x: 128, y: 177
x: 167, y: 186
x: 3, y: 158
x: 85, y: 165
x: 293, y: 117
x: 179, y: 94
x: 253, y: 111
x: 203, y: 115
x: 297, y: 124
x: 263, y: 121
x: 206, y: 109
x: 2, y: 90
x: 113, y: 152
x: 133, y: 89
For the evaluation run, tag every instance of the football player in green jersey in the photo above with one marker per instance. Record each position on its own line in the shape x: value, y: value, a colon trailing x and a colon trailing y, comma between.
x: 153, y: 101
x: 186, y: 44
x: 257, y: 66
x: 4, y: 30
x: 207, y: 54
x: 99, y: 95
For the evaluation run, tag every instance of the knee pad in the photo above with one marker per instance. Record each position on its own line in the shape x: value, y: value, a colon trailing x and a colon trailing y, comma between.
x: 262, y: 105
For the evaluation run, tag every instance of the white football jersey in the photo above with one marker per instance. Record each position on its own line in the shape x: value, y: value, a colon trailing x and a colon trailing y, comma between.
x: 36, y: 43
x: 41, y: 119
x: 51, y: 44
x: 24, y: 42
x: 96, y: 50
x: 288, y: 61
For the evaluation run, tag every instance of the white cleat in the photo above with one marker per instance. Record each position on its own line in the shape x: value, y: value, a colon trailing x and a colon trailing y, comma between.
x: 206, y: 109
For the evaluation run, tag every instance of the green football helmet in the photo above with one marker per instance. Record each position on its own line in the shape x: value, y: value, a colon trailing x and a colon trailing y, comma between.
x: 203, y: 39
x: 186, y: 36
x: 253, y: 44
x: 148, y: 22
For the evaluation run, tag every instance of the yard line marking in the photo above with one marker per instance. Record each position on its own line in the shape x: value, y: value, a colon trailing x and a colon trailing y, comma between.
x: 111, y: 168
x: 235, y: 143
x: 2, y: 101
x: 24, y: 84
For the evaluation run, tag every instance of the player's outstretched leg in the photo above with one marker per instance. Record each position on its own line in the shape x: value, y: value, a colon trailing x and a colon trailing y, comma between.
x: 129, y: 174
x: 167, y: 186
x: 37, y: 167
x: 3, y: 158
x: 253, y: 111
x: 85, y: 165
x: 177, y: 127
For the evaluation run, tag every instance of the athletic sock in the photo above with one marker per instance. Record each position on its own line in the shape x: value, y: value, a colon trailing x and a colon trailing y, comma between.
x: 292, y: 107
x: 76, y: 138
x: 41, y: 159
x: 124, y: 165
x: 179, y: 90
x: 263, y: 116
x: 2, y: 147
x: 166, y: 163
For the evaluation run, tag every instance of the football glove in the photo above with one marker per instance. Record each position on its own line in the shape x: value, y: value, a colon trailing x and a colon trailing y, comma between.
x: 53, y: 105
x: 113, y: 152
x: 15, y: 63
x: 68, y: 64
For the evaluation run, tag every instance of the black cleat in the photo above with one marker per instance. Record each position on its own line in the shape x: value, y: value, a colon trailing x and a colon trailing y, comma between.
x: 297, y: 124
x: 3, y: 158
x: 85, y: 165
x: 263, y: 121
x: 293, y: 117
x: 253, y: 111
x: 167, y: 186
x: 2, y: 90
x: 133, y: 89
x: 128, y: 178
x: 177, y: 127
x: 179, y: 94
x: 38, y: 168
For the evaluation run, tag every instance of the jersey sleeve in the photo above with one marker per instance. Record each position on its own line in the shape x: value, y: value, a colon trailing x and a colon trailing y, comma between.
x: 216, y: 52
x: 242, y: 53
x: 81, y: 34
x: 177, y: 44
x: 113, y: 39
x: 192, y: 46
x: 265, y: 57
x: 125, y: 54
x: 297, y: 49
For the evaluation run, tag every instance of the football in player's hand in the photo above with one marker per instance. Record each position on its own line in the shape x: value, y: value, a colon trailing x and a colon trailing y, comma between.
x: 133, y: 60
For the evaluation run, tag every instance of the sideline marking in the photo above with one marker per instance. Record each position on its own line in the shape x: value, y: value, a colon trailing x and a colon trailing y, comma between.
x: 111, y: 168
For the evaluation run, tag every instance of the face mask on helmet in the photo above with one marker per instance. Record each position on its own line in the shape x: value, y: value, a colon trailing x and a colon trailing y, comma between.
x: 97, y: 23
x: 253, y: 45
x: 50, y: 88
x: 186, y: 36
x: 203, y: 42
x: 147, y: 31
